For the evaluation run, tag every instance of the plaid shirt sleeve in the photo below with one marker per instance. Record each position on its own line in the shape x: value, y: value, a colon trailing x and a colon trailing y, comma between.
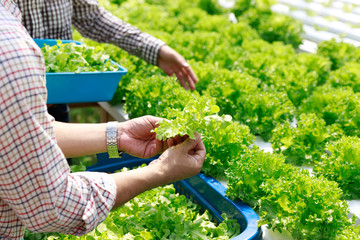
x: 98, y: 24
x: 37, y: 190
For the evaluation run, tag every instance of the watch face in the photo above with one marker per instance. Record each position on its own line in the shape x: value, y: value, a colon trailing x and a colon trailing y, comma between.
x: 111, y: 140
x: 111, y: 133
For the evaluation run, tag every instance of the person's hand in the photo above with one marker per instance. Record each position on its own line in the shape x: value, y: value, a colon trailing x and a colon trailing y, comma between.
x: 136, y: 138
x: 171, y: 62
x: 181, y: 161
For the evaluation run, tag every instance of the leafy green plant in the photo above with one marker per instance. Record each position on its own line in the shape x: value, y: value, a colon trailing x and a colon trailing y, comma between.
x: 240, y: 6
x: 287, y: 79
x: 70, y: 57
x: 237, y: 94
x: 277, y: 50
x: 338, y: 52
x: 342, y: 165
x: 153, y: 95
x: 226, y: 86
x: 261, y: 59
x: 280, y: 68
x: 206, y: 72
x: 305, y: 206
x: 305, y: 143
x: 236, y: 33
x: 336, y: 105
x: 137, y: 69
x: 28, y: 235
x: 222, y: 58
x: 328, y: 103
x: 190, y: 16
x: 243, y: 7
x: 224, y: 141
x: 278, y: 27
x: 194, y: 116
x: 315, y: 63
x: 263, y: 111
x: 351, y: 232
x: 347, y: 76
x: 213, y: 23
x: 159, y: 214
x: 288, y: 198
x: 118, y: 2
x: 211, y: 6
x: 264, y: 5
x: 249, y: 171
x: 274, y: 27
x: 197, y: 45
x: 146, y: 16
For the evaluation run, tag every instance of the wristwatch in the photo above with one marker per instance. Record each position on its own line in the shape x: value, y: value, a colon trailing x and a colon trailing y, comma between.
x: 111, y: 140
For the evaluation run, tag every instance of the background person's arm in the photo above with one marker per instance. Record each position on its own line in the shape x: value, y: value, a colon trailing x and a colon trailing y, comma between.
x: 100, y: 25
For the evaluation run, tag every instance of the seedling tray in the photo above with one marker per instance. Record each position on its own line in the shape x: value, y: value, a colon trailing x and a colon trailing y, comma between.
x: 202, y: 190
x: 70, y: 87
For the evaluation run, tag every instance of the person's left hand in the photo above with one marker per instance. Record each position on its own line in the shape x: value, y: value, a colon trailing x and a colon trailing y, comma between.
x: 136, y: 138
x: 171, y: 62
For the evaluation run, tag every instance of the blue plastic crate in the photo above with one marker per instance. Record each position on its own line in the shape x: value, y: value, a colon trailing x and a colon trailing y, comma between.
x: 70, y: 87
x: 203, y: 190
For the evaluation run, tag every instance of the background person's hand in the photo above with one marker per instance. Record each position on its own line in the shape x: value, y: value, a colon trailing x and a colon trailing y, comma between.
x: 181, y: 161
x: 171, y: 62
x: 136, y: 138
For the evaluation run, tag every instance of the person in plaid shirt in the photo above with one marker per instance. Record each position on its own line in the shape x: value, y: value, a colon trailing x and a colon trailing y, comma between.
x: 37, y: 190
x: 54, y: 20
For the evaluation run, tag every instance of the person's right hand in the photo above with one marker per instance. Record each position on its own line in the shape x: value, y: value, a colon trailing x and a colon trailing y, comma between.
x: 181, y: 161
x: 172, y: 63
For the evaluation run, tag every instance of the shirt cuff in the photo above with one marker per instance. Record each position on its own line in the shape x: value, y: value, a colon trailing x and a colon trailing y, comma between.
x: 150, y: 48
x: 100, y: 193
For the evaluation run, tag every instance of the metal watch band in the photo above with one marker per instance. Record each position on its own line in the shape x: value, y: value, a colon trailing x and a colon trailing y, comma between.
x: 111, y: 140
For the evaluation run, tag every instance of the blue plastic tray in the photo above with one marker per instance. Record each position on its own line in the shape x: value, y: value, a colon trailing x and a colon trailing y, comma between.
x: 69, y: 87
x: 203, y: 190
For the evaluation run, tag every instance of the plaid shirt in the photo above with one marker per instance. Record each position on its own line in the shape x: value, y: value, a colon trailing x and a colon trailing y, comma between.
x: 55, y: 18
x: 37, y: 190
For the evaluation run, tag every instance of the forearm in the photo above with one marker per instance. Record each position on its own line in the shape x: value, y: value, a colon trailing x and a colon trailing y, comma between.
x: 131, y: 183
x: 176, y: 163
x: 77, y: 139
x: 100, y: 25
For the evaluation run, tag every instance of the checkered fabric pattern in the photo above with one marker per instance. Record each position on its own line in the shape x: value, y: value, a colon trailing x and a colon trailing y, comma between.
x: 54, y: 19
x: 37, y: 190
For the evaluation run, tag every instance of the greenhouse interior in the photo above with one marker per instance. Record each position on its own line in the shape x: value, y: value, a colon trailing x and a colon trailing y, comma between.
x: 250, y: 107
